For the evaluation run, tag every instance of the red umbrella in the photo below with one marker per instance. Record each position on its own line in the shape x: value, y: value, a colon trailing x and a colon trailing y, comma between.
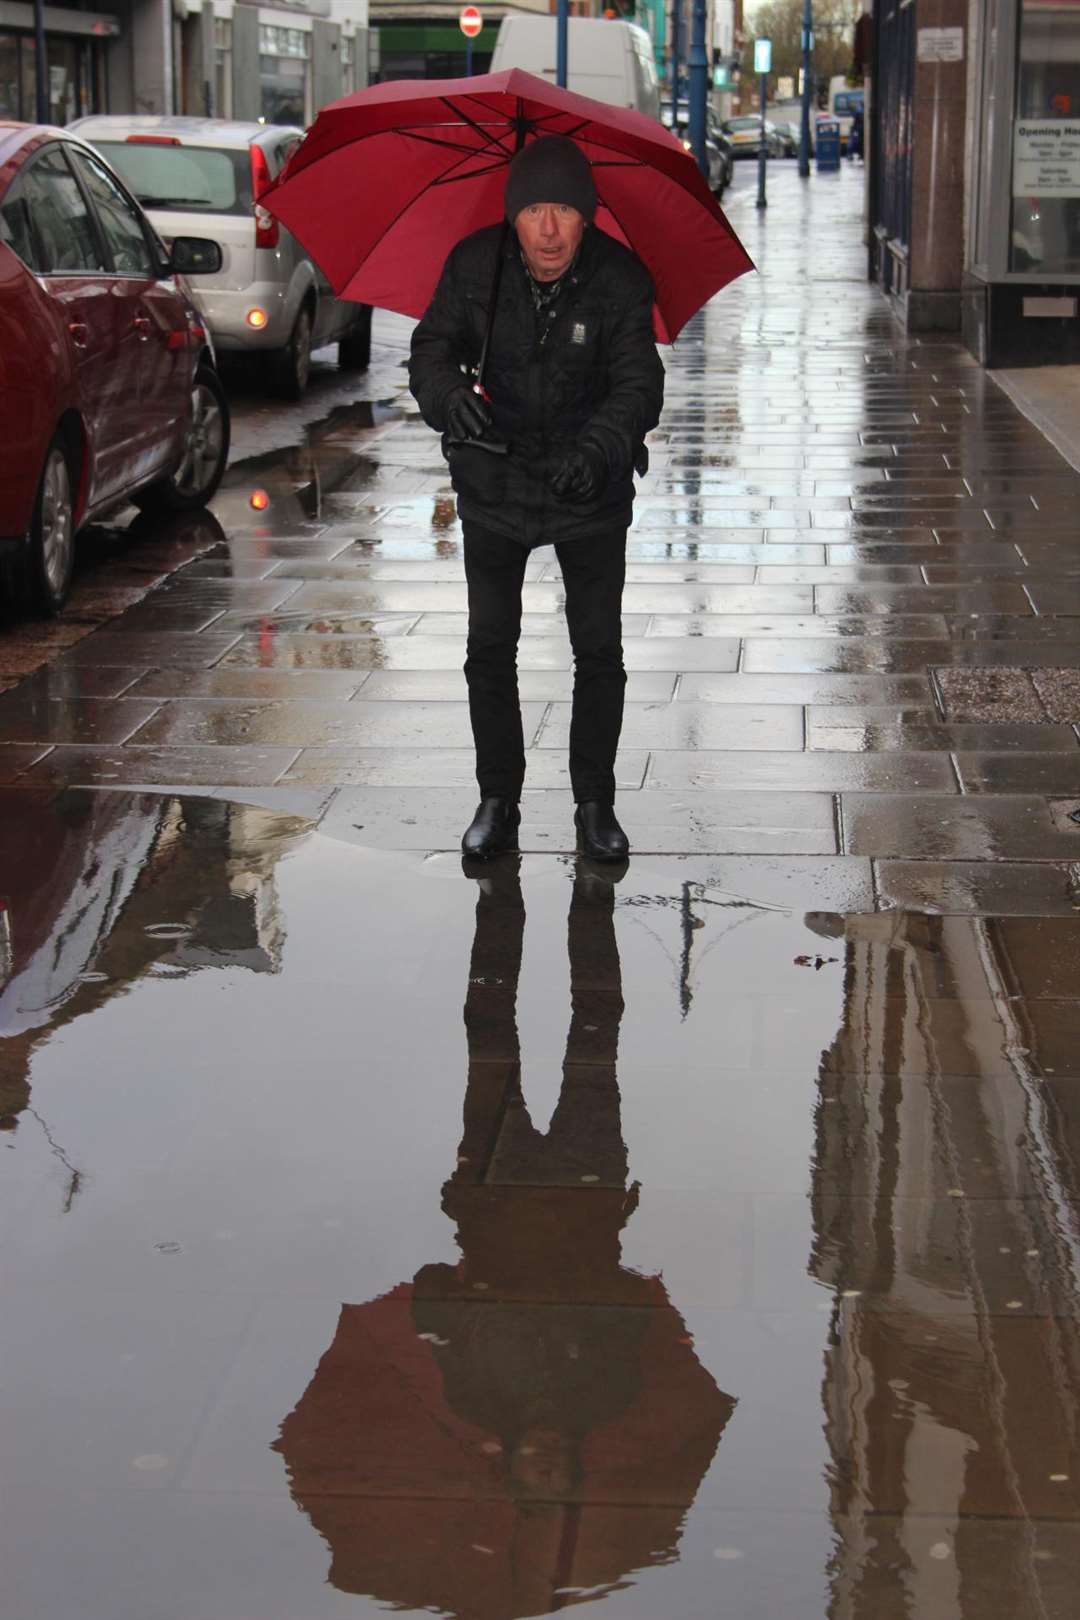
x: 390, y: 178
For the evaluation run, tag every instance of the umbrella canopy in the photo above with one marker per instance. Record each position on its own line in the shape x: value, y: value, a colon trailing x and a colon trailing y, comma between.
x: 390, y: 178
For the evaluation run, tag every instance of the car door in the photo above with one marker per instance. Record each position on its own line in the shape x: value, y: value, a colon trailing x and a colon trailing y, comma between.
x: 152, y: 309
x: 75, y: 274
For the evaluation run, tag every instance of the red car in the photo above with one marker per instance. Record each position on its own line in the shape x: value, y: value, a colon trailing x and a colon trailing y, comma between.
x: 108, y: 387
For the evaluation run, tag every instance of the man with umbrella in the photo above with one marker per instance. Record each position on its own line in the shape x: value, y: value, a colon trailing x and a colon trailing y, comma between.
x: 545, y: 454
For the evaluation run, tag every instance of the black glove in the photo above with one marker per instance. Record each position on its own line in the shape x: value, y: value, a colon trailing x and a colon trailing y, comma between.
x: 581, y: 475
x: 467, y: 417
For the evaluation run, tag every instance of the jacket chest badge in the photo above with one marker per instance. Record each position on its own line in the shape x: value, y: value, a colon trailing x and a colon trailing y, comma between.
x: 578, y: 333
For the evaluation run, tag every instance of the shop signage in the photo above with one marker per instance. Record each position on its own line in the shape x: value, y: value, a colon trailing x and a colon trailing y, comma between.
x: 470, y: 21
x: 941, y: 44
x: 1046, y: 157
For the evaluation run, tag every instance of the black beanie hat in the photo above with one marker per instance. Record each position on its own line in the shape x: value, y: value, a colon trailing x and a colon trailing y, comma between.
x: 553, y: 169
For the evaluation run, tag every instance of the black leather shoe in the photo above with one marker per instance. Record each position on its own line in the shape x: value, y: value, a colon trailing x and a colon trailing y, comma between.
x: 602, y: 839
x: 493, y: 829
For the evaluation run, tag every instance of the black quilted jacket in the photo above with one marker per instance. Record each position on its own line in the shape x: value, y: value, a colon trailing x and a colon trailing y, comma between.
x: 597, y: 375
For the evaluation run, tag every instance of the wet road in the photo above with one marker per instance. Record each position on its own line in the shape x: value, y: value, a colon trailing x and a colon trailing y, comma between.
x: 696, y: 1239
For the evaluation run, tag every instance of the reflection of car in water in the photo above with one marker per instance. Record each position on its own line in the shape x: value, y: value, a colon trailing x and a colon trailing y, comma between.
x: 535, y: 1418
x: 287, y: 486
x: 100, y: 888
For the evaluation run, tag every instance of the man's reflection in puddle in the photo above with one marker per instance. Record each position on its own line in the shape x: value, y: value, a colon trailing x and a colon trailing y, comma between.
x: 528, y: 1427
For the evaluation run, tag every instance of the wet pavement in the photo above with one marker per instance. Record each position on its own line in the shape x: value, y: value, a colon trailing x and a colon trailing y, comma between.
x: 696, y: 1238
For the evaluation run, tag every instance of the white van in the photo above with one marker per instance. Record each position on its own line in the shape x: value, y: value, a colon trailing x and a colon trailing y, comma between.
x: 606, y: 58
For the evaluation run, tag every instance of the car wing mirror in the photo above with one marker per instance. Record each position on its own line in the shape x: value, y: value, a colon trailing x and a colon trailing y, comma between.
x: 194, y: 256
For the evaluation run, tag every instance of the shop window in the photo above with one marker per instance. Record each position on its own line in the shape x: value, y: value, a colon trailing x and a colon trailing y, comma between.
x: 70, y: 82
x: 1045, y: 237
x: 9, y: 76
x: 285, y: 74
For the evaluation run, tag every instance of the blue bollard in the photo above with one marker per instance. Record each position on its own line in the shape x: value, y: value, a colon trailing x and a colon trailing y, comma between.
x: 827, y: 143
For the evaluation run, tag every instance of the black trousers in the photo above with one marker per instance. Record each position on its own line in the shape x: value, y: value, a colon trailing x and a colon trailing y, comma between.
x: 593, y: 570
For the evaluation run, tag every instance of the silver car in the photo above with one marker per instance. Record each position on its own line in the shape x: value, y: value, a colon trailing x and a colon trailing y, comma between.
x: 204, y: 176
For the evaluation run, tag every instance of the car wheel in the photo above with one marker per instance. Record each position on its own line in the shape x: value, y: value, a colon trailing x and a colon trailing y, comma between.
x: 51, y: 558
x: 354, y: 351
x: 291, y: 366
x: 206, y: 450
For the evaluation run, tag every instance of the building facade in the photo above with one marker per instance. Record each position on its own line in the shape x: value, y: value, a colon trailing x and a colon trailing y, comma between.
x: 974, y: 183
x: 228, y: 58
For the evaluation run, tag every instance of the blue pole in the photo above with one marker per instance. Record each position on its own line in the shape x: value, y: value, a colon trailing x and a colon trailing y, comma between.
x: 699, y: 88
x: 468, y: 57
x: 676, y: 54
x: 807, y: 69
x: 561, y: 31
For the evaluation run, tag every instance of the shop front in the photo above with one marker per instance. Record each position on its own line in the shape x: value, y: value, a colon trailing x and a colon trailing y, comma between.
x: 76, y: 54
x: 1021, y: 298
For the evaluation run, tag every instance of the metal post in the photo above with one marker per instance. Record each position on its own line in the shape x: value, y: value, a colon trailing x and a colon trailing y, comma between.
x: 762, y: 200
x: 807, y: 71
x: 562, y: 28
x: 699, y: 88
x: 468, y: 57
x: 41, y: 65
x: 676, y: 59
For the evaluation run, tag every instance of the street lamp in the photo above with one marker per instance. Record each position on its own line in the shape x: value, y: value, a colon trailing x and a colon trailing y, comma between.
x: 807, y: 75
x: 762, y: 67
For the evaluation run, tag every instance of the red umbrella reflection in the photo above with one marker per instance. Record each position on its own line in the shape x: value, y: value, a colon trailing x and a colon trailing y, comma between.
x: 527, y: 1428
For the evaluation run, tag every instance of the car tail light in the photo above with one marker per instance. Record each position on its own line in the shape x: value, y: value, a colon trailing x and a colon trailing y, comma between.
x: 258, y: 500
x: 152, y: 140
x: 266, y: 226
x: 256, y: 318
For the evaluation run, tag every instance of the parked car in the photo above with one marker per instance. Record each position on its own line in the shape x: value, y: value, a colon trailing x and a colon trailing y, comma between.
x: 269, y: 298
x: 718, y: 150
x: 744, y: 135
x: 783, y: 139
x: 107, y: 375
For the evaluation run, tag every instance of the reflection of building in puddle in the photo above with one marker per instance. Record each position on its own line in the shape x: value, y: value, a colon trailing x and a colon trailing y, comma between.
x: 945, y: 1219
x: 101, y: 889
x: 529, y: 1427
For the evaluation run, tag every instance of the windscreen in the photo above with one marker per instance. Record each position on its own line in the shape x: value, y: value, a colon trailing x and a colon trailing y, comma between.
x: 187, y: 179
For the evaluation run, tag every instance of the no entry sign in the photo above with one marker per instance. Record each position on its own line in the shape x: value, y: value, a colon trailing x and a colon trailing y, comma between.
x: 470, y: 21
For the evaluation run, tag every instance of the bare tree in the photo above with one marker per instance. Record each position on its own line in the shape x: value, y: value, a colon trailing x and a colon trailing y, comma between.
x: 781, y: 22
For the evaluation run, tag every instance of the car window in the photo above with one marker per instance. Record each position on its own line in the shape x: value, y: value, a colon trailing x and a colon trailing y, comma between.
x: 282, y: 152
x: 187, y: 179
x: 130, y: 251
x: 65, y: 231
x: 16, y: 228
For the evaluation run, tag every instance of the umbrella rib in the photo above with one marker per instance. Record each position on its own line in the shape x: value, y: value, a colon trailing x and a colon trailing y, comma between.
x: 473, y: 174
x: 478, y: 129
x: 433, y: 140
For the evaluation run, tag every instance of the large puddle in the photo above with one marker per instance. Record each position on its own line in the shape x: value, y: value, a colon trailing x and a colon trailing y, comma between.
x: 379, y: 1234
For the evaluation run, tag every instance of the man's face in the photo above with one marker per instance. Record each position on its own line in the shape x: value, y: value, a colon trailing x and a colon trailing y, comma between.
x: 550, y: 234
